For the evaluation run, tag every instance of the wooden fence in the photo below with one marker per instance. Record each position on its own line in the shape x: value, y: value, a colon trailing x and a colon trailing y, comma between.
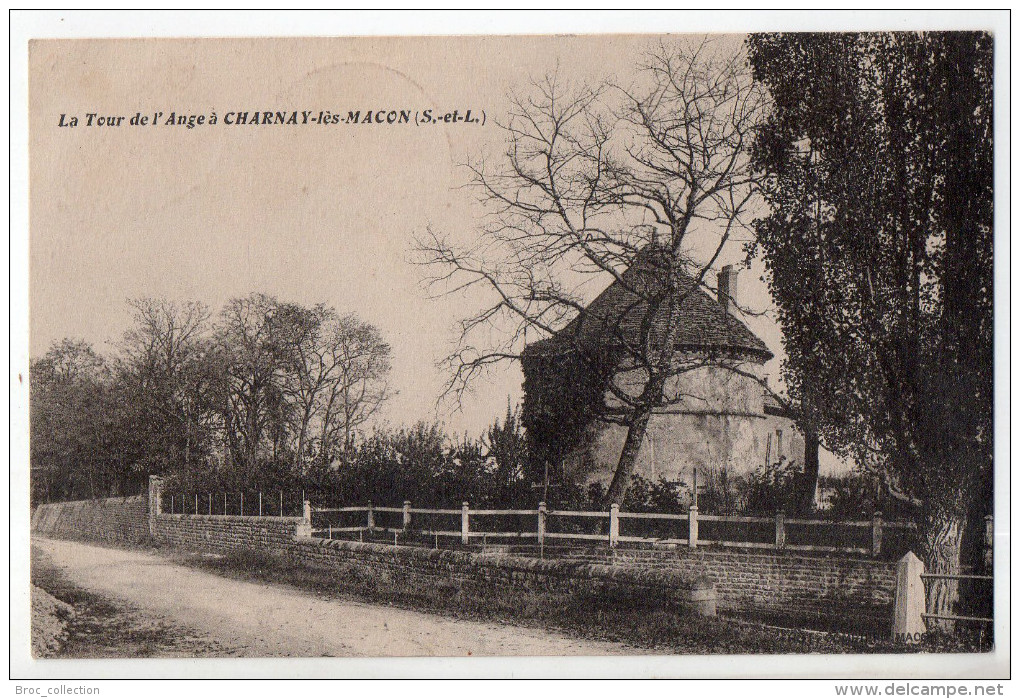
x: 770, y: 533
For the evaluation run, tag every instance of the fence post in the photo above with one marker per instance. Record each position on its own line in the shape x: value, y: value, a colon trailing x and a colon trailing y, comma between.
x: 876, y: 534
x: 692, y: 527
x: 465, y: 526
x: 614, y: 525
x: 371, y: 517
x: 908, y: 624
x: 780, y: 530
x: 210, y: 504
x: 260, y: 503
x: 196, y: 503
x: 407, y: 515
x: 541, y: 523
x: 242, y: 503
x: 989, y: 542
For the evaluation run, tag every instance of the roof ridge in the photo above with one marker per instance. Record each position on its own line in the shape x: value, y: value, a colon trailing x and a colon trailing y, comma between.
x: 619, y: 310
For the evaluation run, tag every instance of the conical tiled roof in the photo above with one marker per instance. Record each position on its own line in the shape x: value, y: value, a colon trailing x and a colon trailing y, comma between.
x: 621, y: 312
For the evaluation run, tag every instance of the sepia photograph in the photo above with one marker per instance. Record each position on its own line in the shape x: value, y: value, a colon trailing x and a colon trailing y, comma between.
x: 665, y: 348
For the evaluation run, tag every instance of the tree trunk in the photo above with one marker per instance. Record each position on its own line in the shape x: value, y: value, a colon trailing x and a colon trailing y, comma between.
x: 299, y: 455
x: 809, y: 485
x: 941, y: 542
x: 628, y: 457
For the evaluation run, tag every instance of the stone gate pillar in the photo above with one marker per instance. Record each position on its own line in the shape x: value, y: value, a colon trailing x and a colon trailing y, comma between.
x: 155, y: 501
x: 908, y: 624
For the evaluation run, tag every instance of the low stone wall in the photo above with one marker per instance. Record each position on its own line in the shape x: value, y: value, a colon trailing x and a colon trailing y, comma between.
x: 466, y: 570
x: 779, y: 583
x: 860, y: 591
x: 287, y: 537
x: 803, y: 585
x: 111, y: 520
x: 223, y: 534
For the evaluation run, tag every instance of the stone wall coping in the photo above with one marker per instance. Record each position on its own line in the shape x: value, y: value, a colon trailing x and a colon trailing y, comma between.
x: 554, y: 567
x: 117, y: 499
x: 778, y: 557
x: 787, y: 557
x: 733, y: 554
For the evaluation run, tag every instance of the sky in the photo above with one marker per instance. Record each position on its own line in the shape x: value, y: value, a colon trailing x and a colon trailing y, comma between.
x: 308, y: 213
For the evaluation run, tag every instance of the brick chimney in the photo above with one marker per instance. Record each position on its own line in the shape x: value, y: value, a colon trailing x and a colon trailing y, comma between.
x: 727, y: 288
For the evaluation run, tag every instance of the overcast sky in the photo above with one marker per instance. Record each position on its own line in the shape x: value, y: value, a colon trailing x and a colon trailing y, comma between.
x: 307, y: 213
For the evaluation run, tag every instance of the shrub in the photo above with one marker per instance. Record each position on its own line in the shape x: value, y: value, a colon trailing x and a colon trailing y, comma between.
x: 770, y: 488
x: 851, y: 496
x: 662, y: 496
x: 719, y: 494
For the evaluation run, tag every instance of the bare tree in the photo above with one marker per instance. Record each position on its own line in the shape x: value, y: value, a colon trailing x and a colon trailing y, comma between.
x: 306, y: 370
x: 161, y: 366
x: 334, y: 374
x: 595, y: 182
x: 361, y: 362
x: 249, y: 353
x: 164, y: 333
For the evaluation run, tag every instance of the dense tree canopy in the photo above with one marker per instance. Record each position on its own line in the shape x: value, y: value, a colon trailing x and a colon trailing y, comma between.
x: 78, y: 426
x: 269, y: 387
x: 878, y: 169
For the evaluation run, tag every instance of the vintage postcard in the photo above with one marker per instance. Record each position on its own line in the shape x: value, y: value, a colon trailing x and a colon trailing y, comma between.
x: 555, y: 353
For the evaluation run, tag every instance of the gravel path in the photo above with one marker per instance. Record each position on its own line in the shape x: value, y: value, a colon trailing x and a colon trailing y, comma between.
x: 262, y: 620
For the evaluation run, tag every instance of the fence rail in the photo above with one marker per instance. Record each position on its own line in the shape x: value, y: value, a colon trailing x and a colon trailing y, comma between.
x: 928, y: 577
x: 772, y: 532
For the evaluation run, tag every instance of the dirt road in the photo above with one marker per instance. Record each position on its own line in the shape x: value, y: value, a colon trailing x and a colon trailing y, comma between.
x: 261, y: 620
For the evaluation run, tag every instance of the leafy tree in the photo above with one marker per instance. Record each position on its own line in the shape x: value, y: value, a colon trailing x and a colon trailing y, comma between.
x: 653, y: 178
x: 77, y: 426
x: 878, y: 165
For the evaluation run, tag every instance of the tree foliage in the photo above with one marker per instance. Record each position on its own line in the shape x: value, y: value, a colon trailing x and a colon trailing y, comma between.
x: 564, y: 396
x: 420, y: 463
x: 878, y: 165
x: 77, y: 425
x: 268, y: 389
